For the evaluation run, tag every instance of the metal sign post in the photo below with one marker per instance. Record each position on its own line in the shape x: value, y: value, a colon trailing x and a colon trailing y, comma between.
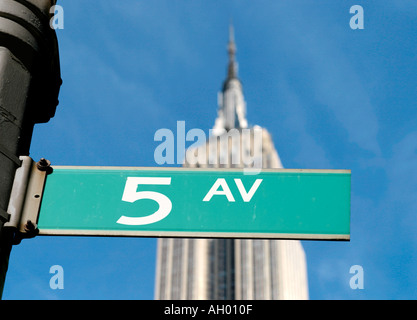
x: 29, y: 85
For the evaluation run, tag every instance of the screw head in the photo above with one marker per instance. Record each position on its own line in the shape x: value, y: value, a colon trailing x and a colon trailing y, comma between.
x: 44, y: 165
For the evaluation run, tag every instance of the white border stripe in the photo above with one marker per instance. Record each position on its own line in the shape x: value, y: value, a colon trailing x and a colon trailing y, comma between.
x: 246, y: 170
x: 173, y: 234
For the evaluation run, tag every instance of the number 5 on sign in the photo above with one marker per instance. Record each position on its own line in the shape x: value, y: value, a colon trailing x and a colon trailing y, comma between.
x: 130, y: 194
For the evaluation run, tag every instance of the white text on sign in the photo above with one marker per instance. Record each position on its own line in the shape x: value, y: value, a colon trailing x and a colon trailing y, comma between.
x: 130, y: 194
x: 225, y: 190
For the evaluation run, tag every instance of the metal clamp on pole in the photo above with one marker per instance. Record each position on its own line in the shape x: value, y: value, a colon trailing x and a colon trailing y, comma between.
x: 26, y: 197
x: 4, y: 216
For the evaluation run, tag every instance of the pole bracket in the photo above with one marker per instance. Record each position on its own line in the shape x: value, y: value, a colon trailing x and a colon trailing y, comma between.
x: 4, y: 216
x: 25, y: 198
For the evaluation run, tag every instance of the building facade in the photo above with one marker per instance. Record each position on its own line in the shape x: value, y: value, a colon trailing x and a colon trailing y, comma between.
x: 231, y: 269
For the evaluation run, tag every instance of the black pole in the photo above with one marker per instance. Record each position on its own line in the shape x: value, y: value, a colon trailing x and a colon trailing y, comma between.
x: 29, y: 86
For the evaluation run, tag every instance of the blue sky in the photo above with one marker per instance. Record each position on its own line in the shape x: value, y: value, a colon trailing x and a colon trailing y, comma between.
x: 331, y: 97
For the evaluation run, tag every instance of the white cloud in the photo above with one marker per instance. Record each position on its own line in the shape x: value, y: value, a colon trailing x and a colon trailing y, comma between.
x: 326, y: 73
x: 402, y: 182
x: 309, y: 152
x: 340, y: 90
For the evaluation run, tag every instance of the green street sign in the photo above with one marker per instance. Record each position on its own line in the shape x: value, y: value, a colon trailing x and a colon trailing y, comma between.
x: 205, y: 203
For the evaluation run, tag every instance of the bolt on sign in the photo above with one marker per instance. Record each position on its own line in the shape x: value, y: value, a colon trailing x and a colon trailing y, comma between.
x: 206, y: 203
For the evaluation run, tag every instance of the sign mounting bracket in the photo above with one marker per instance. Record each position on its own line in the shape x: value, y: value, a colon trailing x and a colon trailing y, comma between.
x: 26, y: 197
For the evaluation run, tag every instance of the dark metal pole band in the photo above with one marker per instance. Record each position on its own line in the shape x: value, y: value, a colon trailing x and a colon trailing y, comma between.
x: 10, y: 155
x: 4, y: 216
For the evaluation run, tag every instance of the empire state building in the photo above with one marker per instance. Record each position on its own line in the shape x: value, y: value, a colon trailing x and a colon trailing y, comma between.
x: 231, y: 269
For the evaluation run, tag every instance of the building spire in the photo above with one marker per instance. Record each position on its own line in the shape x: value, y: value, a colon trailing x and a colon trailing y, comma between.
x: 231, y: 49
x: 232, y: 106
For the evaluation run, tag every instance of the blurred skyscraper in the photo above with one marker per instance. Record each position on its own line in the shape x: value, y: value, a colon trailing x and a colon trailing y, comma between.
x: 232, y: 268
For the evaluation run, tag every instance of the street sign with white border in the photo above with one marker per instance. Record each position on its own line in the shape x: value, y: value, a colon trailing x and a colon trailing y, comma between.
x: 202, y: 203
